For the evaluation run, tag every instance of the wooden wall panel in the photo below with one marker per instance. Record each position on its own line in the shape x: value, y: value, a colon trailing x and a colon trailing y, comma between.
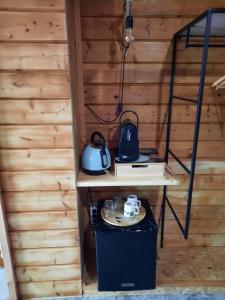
x: 178, y: 197
x: 157, y: 113
x: 36, y: 148
x: 40, y: 201
x: 23, y: 85
x: 36, y: 56
x: 145, y: 52
x: 149, y: 73
x: 36, y: 159
x: 149, y: 7
x: 153, y: 132
x: 147, y: 93
x: 33, y: 5
x: 51, y: 256
x: 37, y: 180
x: 42, y: 220
x: 195, y: 240
x: 36, y: 111
x: 44, y: 238
x: 49, y: 289
x: 41, y: 136
x: 26, y: 26
x: 145, y: 28
x: 48, y: 273
x: 146, y: 90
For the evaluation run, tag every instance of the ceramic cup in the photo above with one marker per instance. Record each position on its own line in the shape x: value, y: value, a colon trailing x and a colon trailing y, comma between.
x: 134, y: 200
x: 130, y: 210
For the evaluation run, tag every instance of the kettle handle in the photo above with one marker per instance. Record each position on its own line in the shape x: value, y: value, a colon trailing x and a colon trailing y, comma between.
x: 104, y: 158
x: 101, y: 137
x: 129, y: 111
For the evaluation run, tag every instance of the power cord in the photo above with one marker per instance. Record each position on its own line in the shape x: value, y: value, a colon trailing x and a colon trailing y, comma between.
x: 120, y: 103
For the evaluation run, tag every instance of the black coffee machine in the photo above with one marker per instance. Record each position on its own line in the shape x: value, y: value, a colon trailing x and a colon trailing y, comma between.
x: 126, y: 256
x: 129, y: 143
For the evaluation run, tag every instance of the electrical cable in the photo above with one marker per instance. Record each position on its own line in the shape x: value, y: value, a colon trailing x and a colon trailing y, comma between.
x: 121, y: 89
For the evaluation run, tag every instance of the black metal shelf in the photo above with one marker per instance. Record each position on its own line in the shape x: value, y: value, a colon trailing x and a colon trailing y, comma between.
x: 209, y: 24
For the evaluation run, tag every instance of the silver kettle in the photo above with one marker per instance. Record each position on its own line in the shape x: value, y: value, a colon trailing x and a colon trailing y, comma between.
x: 96, y: 158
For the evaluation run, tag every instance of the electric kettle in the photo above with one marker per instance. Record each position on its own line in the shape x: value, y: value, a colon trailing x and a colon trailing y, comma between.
x: 96, y: 158
x: 129, y: 143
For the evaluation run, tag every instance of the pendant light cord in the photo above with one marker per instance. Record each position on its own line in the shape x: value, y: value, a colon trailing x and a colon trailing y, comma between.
x: 119, y: 109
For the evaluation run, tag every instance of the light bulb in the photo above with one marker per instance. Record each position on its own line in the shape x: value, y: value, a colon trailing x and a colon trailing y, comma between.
x: 129, y: 35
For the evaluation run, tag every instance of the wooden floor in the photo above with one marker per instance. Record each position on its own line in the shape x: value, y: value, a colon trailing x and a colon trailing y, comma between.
x: 181, y: 270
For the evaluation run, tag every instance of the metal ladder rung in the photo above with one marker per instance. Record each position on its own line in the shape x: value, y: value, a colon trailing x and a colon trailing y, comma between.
x: 186, y: 99
x: 201, y: 46
x: 179, y: 162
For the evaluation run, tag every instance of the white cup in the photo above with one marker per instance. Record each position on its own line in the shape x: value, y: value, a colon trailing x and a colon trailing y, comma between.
x: 134, y: 200
x: 130, y: 209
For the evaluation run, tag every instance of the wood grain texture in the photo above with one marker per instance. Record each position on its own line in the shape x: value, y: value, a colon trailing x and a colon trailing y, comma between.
x: 154, y: 194
x: 207, y: 182
x: 50, y: 289
x: 157, y: 132
x: 40, y: 201
x: 209, y: 259
x: 145, y: 28
x: 198, y: 226
x: 203, y: 166
x: 48, y: 273
x: 148, y: 94
x: 36, y: 116
x: 76, y: 73
x: 38, y: 239
x: 35, y: 111
x: 34, y: 85
x: 148, y: 7
x: 110, y: 179
x: 216, y: 212
x: 47, y: 256
x: 195, y: 240
x: 52, y: 159
x: 7, y: 253
x: 149, y: 73
x: 53, y: 5
x: 157, y: 113
x: 20, y: 26
x: 145, y: 52
x: 38, y: 180
x: 38, y: 56
x: 187, y: 279
x: 42, y: 220
x: 36, y: 136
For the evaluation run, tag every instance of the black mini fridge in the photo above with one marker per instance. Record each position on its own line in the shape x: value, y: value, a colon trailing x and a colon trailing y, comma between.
x: 126, y: 256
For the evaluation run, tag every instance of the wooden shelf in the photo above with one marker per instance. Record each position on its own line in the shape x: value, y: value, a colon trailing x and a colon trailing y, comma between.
x: 109, y: 179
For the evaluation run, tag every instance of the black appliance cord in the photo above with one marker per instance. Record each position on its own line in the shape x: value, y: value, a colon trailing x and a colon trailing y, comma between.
x: 120, y: 103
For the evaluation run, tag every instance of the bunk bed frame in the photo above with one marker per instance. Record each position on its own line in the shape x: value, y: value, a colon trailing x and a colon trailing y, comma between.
x: 209, y: 24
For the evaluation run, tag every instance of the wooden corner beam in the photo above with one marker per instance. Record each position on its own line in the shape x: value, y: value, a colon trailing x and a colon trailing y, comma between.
x: 6, y: 253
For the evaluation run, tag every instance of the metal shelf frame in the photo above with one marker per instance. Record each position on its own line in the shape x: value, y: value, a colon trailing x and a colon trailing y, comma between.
x: 202, y: 24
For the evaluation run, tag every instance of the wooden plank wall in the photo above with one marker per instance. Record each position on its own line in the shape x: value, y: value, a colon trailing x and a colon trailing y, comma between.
x: 36, y: 148
x: 146, y: 91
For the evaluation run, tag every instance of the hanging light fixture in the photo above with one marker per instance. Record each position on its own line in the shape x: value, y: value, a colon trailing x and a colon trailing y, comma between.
x: 128, y: 32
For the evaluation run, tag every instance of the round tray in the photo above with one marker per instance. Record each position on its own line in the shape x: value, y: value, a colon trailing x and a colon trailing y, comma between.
x: 120, y: 220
